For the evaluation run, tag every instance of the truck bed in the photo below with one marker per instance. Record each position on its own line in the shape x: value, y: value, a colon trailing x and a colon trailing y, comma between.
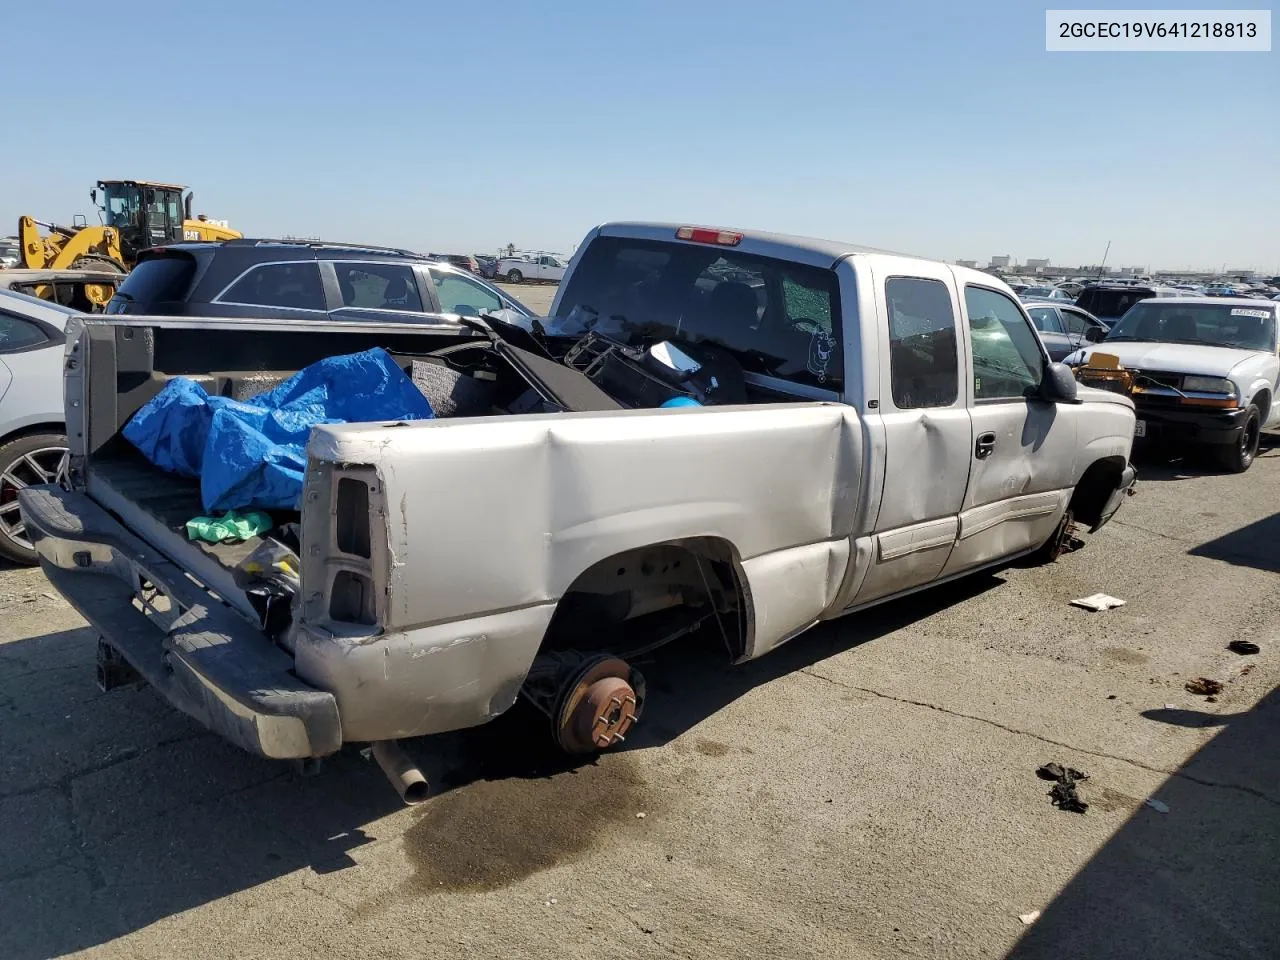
x: 166, y: 499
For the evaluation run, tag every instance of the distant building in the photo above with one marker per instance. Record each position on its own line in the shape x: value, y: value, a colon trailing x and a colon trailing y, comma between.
x: 1005, y: 261
x: 971, y: 264
x: 1037, y: 264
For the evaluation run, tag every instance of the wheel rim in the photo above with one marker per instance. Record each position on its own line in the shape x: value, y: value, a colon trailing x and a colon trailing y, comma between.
x: 42, y: 465
x: 1249, y: 439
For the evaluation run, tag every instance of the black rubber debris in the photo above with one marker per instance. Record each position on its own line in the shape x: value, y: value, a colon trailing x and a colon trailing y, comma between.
x: 1243, y: 647
x: 1063, y: 794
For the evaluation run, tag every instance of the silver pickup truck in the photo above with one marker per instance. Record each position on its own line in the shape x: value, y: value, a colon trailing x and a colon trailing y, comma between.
x: 851, y: 426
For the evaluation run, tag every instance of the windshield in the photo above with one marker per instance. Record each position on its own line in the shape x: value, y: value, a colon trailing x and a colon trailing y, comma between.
x: 775, y: 317
x: 122, y: 202
x: 1219, y: 325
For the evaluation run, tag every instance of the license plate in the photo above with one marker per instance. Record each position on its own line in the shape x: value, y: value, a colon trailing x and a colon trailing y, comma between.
x: 1140, y: 428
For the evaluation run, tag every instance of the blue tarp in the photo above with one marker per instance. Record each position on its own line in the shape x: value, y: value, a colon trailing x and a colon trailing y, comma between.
x: 253, y: 453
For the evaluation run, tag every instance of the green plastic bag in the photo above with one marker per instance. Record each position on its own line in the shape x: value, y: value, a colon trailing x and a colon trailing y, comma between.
x: 232, y: 527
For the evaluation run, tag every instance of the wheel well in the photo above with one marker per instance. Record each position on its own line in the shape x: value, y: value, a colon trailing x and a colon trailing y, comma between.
x: 645, y: 597
x: 33, y: 428
x: 1263, y: 402
x: 1095, y: 488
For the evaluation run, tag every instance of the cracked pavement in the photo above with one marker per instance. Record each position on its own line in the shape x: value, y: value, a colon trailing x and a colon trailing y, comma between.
x: 869, y: 790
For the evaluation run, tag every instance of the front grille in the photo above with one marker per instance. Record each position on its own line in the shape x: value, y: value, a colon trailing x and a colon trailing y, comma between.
x: 1113, y: 384
x: 1151, y: 378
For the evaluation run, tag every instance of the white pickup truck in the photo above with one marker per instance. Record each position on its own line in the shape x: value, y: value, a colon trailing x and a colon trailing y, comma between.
x: 1202, y: 371
x: 543, y: 268
x: 853, y: 426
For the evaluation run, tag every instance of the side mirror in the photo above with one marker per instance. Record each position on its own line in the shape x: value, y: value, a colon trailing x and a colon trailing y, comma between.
x: 1059, y: 385
x: 93, y: 195
x: 1095, y: 334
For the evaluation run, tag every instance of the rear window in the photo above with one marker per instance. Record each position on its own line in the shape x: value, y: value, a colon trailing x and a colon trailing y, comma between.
x: 1111, y: 303
x: 163, y: 279
x: 776, y: 317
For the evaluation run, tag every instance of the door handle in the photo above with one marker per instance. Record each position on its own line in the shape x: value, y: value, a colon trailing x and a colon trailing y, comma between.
x: 985, y: 446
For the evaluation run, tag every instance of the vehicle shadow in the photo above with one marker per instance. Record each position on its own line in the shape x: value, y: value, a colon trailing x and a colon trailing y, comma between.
x: 1199, y: 881
x: 1253, y: 545
x: 116, y: 811
x: 1164, y: 464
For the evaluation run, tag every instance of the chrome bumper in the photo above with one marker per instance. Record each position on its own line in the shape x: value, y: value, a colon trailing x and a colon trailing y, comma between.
x: 202, y: 657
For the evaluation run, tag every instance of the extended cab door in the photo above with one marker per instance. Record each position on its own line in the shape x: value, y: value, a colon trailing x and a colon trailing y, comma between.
x: 1024, y: 448
x: 927, y: 431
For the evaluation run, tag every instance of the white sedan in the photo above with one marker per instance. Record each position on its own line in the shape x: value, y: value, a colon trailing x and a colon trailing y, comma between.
x: 33, y: 440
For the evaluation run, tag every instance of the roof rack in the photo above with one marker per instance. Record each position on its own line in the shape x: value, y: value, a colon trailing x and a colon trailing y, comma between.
x: 323, y: 245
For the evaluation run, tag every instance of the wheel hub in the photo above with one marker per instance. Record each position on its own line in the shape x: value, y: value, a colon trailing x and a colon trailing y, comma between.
x: 599, y: 706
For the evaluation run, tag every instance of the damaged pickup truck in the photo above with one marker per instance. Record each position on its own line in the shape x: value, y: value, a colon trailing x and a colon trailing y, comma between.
x: 738, y: 431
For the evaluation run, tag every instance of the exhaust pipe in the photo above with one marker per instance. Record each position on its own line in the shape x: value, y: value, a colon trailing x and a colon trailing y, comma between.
x: 401, y: 771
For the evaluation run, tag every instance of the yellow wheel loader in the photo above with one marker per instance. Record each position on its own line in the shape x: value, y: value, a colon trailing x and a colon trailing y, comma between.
x: 135, y: 214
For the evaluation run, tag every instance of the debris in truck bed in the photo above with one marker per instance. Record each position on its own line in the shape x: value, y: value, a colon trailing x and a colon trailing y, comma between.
x: 1203, y: 687
x: 1097, y: 602
x: 252, y: 453
x: 231, y: 527
x: 1243, y: 647
x: 1064, y: 795
x: 450, y: 393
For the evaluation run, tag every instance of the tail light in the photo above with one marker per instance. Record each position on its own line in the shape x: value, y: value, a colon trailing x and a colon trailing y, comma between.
x: 723, y: 238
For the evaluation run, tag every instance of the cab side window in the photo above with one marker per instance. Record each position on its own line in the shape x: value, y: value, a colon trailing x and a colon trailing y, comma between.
x: 1045, y: 319
x: 1076, y: 324
x: 378, y: 286
x: 924, y: 368
x: 462, y: 296
x: 1007, y: 359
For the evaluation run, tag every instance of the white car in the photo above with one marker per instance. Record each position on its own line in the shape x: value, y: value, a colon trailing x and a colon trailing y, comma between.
x: 1200, y: 370
x: 33, y: 441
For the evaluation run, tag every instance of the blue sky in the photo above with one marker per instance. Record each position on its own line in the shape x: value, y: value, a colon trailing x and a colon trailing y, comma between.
x: 942, y: 129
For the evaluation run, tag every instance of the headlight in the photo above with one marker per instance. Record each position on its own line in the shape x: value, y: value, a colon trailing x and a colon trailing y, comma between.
x: 1208, y: 385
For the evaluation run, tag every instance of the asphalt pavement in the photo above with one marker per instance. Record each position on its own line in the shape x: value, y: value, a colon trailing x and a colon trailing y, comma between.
x: 536, y: 296
x: 869, y: 790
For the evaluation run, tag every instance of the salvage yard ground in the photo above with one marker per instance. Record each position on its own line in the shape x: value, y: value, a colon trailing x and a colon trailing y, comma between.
x: 536, y: 296
x: 867, y: 791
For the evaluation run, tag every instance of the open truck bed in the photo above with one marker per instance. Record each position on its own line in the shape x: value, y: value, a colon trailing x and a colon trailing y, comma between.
x: 150, y: 499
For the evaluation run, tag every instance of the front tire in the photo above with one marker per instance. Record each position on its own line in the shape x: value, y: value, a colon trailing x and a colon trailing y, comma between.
x: 98, y: 263
x: 1238, y: 457
x: 37, y: 458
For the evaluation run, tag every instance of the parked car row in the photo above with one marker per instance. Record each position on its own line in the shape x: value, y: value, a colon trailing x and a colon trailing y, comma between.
x: 520, y: 268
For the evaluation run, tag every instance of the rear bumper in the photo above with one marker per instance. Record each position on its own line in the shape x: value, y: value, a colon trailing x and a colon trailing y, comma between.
x: 207, y: 661
x: 1165, y: 425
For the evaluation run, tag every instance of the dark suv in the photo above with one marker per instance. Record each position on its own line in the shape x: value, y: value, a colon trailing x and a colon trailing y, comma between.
x: 299, y: 280
x: 1109, y: 302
